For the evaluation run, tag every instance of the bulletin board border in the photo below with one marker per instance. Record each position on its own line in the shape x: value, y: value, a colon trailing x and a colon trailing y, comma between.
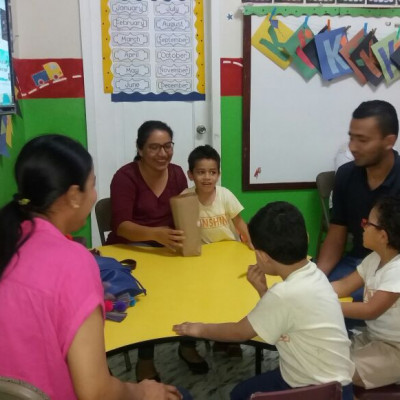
x: 321, y: 10
x: 248, y: 11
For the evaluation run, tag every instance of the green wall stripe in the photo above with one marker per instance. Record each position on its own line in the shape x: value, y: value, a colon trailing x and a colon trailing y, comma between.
x: 64, y: 116
x: 231, y: 127
x: 325, y: 10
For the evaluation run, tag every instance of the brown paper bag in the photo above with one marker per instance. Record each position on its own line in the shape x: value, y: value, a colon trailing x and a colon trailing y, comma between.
x: 185, y: 210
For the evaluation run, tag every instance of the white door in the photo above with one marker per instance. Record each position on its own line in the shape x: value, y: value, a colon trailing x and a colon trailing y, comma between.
x: 112, y: 126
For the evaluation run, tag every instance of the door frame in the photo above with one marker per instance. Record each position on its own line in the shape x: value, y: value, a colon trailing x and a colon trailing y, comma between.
x: 87, y: 9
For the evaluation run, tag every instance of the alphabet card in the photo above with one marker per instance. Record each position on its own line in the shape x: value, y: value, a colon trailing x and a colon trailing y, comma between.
x: 383, y: 50
x: 395, y: 58
x: 348, y: 49
x: 328, y: 46
x: 294, y: 47
x: 310, y: 50
x: 365, y: 60
x: 270, y: 38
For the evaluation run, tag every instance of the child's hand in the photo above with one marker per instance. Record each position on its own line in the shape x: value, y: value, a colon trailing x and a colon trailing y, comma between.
x: 152, y: 390
x: 257, y: 278
x: 251, y: 247
x: 188, y: 329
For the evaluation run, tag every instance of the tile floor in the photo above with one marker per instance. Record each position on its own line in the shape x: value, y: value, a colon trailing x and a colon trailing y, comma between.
x: 224, y: 372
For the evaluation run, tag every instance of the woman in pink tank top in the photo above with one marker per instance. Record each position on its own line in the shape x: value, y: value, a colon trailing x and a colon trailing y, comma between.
x: 52, y: 300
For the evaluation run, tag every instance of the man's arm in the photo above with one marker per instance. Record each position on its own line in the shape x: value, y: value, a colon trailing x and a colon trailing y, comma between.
x: 347, y: 285
x: 332, y: 248
x: 227, y: 332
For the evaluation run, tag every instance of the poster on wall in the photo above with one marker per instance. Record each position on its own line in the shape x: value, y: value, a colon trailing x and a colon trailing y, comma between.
x: 153, y: 50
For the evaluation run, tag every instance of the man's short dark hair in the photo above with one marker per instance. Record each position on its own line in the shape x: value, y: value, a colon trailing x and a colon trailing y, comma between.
x: 384, y: 113
x: 203, y: 152
x: 388, y: 210
x: 279, y: 230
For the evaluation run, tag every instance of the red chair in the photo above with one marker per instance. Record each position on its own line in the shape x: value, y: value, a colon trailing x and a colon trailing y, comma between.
x: 390, y: 392
x: 325, y: 391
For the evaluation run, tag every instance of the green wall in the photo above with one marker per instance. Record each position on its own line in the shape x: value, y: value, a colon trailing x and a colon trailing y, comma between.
x: 231, y: 148
x: 65, y: 116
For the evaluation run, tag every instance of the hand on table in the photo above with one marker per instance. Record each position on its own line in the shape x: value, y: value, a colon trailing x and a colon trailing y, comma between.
x: 188, y: 329
x: 170, y: 238
x: 257, y: 278
x: 152, y: 390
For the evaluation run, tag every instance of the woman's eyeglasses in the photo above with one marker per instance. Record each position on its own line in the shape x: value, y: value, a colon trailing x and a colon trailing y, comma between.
x: 156, y: 147
x: 365, y: 223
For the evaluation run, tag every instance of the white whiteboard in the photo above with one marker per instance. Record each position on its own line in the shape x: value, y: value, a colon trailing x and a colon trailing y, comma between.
x: 296, y: 127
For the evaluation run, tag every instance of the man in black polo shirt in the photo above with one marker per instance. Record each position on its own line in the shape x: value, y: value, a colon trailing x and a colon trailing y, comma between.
x: 374, y: 172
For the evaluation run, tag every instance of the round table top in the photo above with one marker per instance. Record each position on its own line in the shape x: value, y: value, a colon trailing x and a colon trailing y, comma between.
x: 207, y: 288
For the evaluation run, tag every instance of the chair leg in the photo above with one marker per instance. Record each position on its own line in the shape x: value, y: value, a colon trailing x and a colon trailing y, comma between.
x: 127, y: 361
x: 259, y: 357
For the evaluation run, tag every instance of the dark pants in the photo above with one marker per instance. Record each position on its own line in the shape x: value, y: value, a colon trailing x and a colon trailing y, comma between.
x: 344, y: 267
x: 272, y: 381
x: 146, y: 351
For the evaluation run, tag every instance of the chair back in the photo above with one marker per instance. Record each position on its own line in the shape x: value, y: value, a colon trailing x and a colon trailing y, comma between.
x: 325, y: 182
x: 103, y: 217
x: 390, y: 392
x: 15, y: 389
x: 325, y: 391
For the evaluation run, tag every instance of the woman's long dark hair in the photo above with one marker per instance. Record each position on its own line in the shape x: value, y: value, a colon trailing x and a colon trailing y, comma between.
x: 45, y: 169
x: 388, y: 210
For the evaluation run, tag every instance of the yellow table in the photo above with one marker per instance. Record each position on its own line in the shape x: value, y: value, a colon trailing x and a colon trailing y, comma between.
x: 206, y: 288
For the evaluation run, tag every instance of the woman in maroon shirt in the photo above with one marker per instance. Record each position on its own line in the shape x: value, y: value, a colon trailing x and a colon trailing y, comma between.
x: 140, y: 194
x: 140, y: 191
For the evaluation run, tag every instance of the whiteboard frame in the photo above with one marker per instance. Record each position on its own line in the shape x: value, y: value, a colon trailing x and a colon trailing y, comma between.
x: 247, y: 184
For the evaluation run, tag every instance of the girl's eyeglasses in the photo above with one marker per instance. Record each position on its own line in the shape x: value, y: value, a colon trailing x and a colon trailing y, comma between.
x: 365, y: 223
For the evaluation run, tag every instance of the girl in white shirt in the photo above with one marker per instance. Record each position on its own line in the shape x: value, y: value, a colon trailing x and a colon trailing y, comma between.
x: 376, y: 351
